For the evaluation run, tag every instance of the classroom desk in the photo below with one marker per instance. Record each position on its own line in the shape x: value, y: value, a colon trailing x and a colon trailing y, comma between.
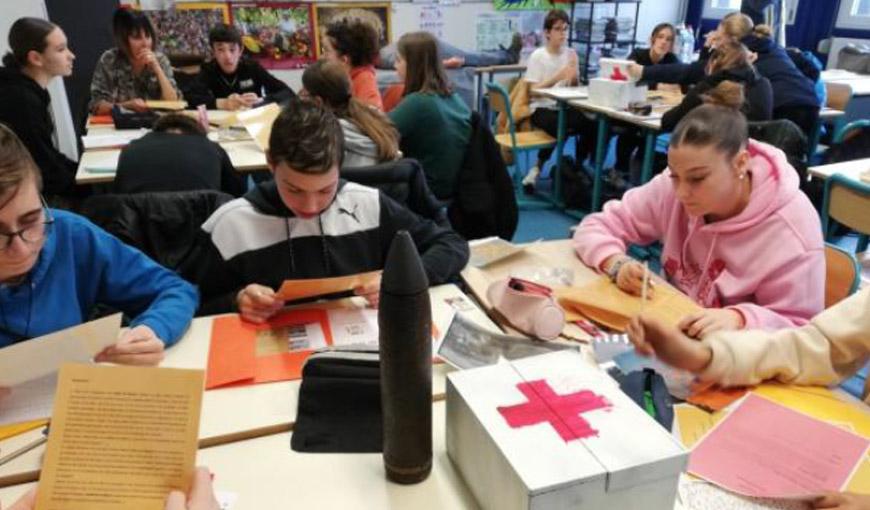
x: 233, y: 414
x: 244, y: 155
x: 851, y: 169
x: 650, y: 125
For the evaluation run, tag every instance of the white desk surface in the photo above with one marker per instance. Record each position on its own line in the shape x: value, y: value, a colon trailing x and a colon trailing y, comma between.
x: 266, y: 474
x: 653, y: 121
x: 233, y: 414
x: 851, y: 169
x: 860, y: 82
x: 562, y: 93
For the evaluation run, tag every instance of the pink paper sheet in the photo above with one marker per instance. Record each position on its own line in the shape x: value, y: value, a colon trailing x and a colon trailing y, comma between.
x: 763, y: 449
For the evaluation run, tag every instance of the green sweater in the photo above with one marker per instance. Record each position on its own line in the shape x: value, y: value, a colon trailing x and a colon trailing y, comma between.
x: 435, y: 131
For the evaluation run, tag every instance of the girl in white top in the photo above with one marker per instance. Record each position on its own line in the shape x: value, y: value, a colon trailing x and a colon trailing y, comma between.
x: 555, y: 65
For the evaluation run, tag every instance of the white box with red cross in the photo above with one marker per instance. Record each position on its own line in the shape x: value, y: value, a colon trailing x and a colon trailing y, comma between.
x: 554, y: 432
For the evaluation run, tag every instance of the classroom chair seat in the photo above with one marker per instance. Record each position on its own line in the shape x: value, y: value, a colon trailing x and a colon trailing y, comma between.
x: 842, y: 274
x: 526, y: 140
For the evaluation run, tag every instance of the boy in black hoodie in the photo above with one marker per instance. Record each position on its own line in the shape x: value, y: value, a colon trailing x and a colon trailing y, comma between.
x: 39, y: 54
x: 308, y: 223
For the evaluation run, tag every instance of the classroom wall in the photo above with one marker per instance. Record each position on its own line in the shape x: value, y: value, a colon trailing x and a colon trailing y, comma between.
x: 11, y: 10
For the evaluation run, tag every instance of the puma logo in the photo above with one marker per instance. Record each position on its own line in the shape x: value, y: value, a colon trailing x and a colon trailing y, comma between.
x: 352, y: 214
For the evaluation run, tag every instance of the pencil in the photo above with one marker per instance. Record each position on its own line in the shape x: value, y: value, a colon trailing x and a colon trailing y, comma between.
x: 644, y: 285
x: 24, y: 449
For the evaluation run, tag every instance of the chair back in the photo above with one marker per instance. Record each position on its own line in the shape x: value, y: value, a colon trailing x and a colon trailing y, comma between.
x: 500, y: 103
x: 839, y: 95
x: 842, y: 274
x: 846, y: 201
x: 402, y: 180
x: 163, y: 225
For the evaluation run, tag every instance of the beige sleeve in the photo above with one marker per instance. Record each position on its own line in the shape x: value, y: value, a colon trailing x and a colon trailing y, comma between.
x: 833, y: 346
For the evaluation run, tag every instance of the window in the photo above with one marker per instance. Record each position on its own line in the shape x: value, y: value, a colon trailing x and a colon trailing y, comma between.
x: 854, y: 14
x: 717, y: 9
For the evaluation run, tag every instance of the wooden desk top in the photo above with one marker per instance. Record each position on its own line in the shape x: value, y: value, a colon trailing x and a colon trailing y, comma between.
x: 851, y: 169
x: 234, y: 414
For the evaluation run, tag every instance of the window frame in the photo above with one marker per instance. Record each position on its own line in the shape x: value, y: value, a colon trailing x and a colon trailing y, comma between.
x: 845, y: 18
x: 710, y: 12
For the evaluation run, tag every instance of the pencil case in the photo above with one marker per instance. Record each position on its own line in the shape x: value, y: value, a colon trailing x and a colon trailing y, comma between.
x: 528, y: 306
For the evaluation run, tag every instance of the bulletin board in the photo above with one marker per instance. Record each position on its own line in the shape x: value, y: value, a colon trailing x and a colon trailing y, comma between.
x: 278, y: 35
x: 376, y: 13
x: 183, y: 31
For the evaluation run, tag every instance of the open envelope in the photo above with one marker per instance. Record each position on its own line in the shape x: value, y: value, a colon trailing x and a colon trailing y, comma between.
x: 601, y: 301
x: 292, y: 290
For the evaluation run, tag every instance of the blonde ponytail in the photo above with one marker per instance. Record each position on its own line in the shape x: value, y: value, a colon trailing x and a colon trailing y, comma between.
x: 763, y: 31
x: 727, y: 94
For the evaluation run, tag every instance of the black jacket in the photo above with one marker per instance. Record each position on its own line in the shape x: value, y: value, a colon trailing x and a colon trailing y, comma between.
x: 164, y: 226
x: 257, y: 239
x: 249, y: 77
x: 176, y: 162
x: 758, y: 103
x: 642, y: 57
x: 790, y: 86
x: 24, y: 108
x: 484, y: 203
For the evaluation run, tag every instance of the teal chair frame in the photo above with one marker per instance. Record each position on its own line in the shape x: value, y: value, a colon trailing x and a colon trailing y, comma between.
x: 852, y: 184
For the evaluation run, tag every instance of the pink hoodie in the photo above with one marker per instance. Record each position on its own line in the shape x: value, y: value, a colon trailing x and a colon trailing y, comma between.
x: 767, y: 262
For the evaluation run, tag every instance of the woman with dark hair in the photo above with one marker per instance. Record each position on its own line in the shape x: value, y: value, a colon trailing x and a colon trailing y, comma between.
x: 39, y: 53
x: 660, y: 51
x: 369, y: 135
x: 354, y: 43
x: 738, y: 235
x: 433, y: 121
x: 131, y: 72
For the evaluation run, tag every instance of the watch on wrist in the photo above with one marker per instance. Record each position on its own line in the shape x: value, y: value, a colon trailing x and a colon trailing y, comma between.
x: 613, y: 270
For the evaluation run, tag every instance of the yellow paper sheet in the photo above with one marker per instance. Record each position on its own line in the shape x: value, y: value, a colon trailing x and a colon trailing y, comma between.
x: 12, y: 430
x: 695, y: 422
x: 121, y: 437
x: 603, y: 302
x: 292, y: 290
x: 823, y: 404
x: 258, y: 122
x: 156, y: 104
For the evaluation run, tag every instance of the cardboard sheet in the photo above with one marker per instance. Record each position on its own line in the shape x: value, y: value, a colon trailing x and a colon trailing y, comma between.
x: 158, y: 104
x: 121, y: 437
x: 30, y: 368
x: 292, y: 290
x: 764, y: 449
x: 258, y: 122
x: 603, y: 302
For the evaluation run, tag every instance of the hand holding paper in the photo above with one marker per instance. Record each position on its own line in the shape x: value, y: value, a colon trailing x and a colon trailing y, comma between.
x: 843, y: 501
x: 201, y: 494
x: 137, y: 346
x: 371, y: 291
x: 257, y: 303
x: 298, y: 289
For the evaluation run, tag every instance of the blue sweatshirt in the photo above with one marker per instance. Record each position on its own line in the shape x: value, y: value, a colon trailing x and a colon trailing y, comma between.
x: 81, y: 265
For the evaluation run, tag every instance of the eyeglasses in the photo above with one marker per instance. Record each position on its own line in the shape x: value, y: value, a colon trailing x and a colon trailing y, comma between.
x: 31, y: 234
x: 560, y: 28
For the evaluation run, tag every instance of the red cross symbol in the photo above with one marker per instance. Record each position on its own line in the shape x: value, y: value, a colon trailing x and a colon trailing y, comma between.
x: 561, y: 411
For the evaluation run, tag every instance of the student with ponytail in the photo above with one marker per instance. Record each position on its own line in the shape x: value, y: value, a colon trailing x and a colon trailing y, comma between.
x: 738, y: 235
x: 731, y: 81
x: 39, y: 53
x: 369, y: 135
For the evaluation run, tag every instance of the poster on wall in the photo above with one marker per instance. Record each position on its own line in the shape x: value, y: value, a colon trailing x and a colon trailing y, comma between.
x: 523, y: 5
x: 432, y: 20
x: 495, y: 30
x: 376, y: 13
x: 183, y: 29
x: 278, y: 35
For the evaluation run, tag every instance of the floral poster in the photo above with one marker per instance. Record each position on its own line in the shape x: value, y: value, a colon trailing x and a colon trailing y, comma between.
x: 278, y: 35
x: 182, y: 31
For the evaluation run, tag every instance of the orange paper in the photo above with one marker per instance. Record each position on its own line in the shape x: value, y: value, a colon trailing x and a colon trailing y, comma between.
x: 101, y: 120
x: 603, y: 302
x: 292, y: 290
x: 243, y: 353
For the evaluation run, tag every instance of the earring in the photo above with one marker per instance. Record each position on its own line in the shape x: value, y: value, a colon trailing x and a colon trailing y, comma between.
x: 743, y: 175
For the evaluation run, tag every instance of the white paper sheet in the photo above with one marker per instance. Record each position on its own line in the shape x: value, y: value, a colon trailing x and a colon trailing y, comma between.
x: 29, y: 368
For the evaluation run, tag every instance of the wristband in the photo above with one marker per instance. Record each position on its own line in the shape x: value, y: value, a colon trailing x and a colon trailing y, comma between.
x: 613, y: 270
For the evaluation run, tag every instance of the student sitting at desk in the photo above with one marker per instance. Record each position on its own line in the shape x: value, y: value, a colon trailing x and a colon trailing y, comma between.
x: 731, y: 79
x: 353, y: 43
x: 39, y: 53
x: 233, y: 81
x: 55, y: 266
x: 308, y: 223
x: 831, y: 348
x: 131, y: 72
x: 369, y: 135
x: 433, y: 121
x: 794, y: 96
x: 555, y: 65
x: 176, y: 156
x: 660, y: 51
x: 739, y: 237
